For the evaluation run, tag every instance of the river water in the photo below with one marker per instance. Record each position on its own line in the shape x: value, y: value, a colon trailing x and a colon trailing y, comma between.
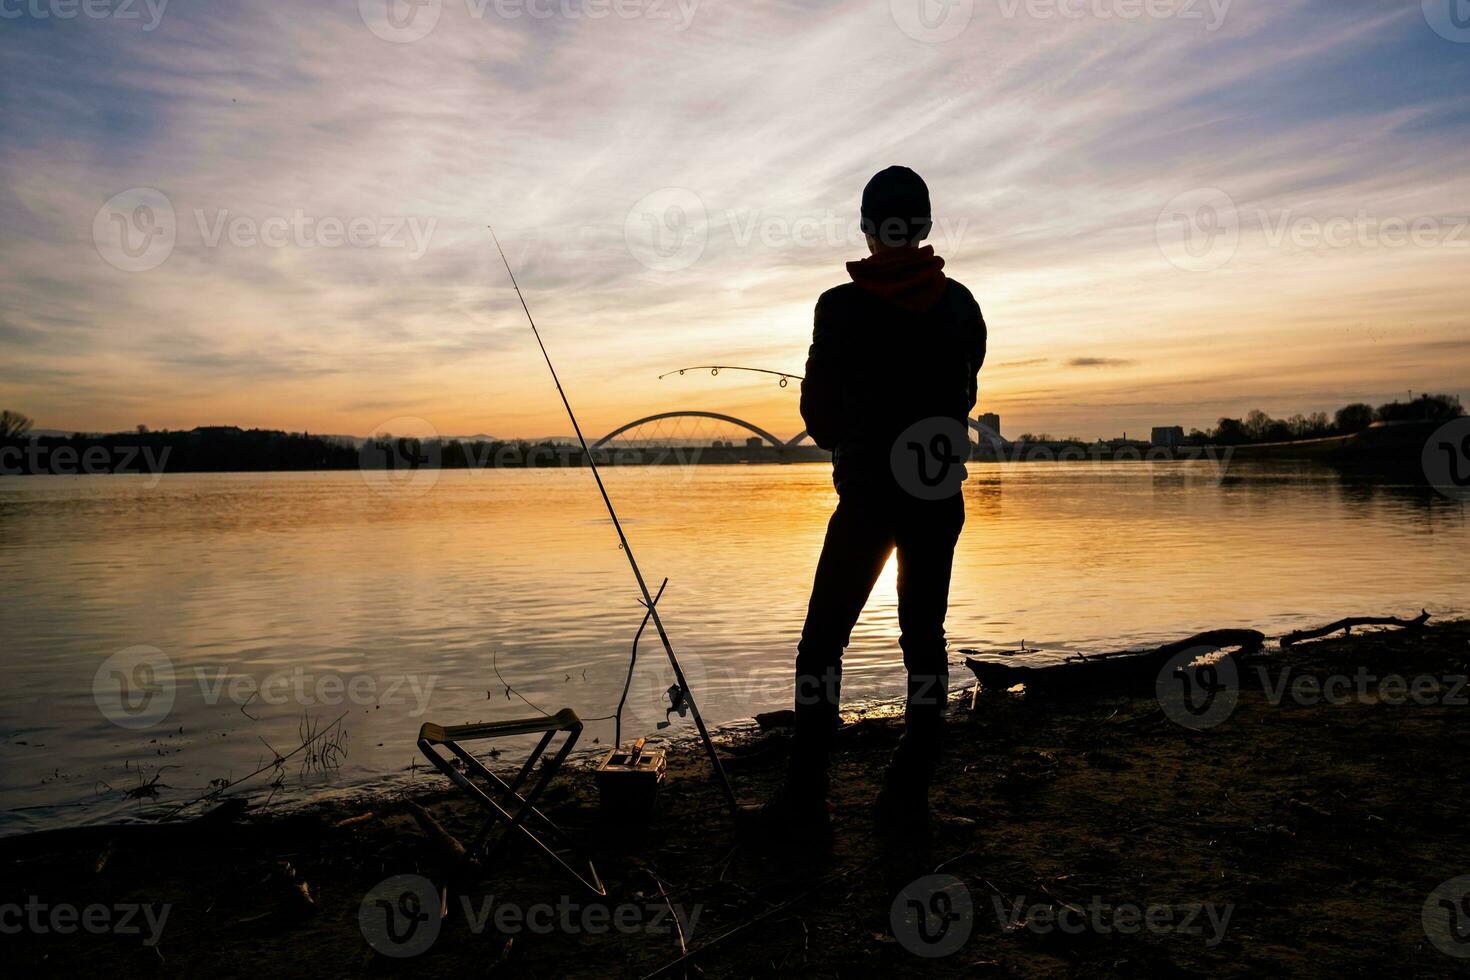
x: 172, y: 630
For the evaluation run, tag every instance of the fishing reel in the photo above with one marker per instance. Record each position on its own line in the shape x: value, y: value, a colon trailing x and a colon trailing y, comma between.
x: 678, y: 703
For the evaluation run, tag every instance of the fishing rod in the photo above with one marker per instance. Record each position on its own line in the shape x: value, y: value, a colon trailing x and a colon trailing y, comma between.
x: 714, y: 369
x: 649, y: 602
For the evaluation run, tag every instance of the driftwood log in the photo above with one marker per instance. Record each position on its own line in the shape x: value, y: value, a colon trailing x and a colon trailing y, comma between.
x: 444, y: 842
x: 1291, y: 639
x: 1108, y: 671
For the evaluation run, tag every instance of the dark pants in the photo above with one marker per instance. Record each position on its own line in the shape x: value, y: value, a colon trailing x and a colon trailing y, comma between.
x: 862, y: 533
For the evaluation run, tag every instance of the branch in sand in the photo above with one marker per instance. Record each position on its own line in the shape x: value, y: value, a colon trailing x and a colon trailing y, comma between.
x: 1291, y: 639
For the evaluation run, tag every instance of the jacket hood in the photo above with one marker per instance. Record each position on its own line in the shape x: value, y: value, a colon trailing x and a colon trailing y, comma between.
x: 910, y: 278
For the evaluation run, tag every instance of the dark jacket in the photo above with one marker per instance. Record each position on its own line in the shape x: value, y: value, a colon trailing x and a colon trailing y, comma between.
x: 899, y: 344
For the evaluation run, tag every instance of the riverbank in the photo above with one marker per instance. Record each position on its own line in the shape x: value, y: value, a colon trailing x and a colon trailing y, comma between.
x: 1301, y: 837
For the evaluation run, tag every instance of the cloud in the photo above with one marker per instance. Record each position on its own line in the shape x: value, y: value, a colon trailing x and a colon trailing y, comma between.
x: 1091, y: 362
x: 1051, y: 148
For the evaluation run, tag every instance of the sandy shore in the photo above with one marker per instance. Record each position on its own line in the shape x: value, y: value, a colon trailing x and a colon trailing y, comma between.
x: 1302, y: 835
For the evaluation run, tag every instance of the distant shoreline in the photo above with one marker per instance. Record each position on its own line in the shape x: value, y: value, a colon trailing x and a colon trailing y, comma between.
x: 229, y: 450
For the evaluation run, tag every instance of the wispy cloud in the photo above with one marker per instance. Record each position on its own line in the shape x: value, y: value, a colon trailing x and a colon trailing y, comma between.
x: 1092, y: 362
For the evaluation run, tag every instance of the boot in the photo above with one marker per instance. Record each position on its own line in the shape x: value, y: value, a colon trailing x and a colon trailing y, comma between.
x: 798, y: 815
x: 901, y: 810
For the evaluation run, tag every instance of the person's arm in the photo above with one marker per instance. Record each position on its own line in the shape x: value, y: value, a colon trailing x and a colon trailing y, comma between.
x: 821, y: 392
x: 976, y: 355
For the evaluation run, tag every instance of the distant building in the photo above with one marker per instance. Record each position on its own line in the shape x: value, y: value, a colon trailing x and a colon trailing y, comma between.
x: 991, y: 421
x: 1168, y: 435
x: 754, y: 442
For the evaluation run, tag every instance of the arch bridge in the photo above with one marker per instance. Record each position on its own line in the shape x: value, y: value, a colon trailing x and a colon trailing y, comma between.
x: 984, y: 431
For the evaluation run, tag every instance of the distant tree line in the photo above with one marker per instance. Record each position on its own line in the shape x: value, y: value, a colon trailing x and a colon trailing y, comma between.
x: 205, y: 449
x: 231, y: 449
x: 1350, y: 419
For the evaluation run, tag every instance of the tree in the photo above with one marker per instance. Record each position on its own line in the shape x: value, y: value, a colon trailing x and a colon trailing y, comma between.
x: 14, y: 425
x: 1353, y: 418
x: 1425, y: 407
x: 1230, y: 432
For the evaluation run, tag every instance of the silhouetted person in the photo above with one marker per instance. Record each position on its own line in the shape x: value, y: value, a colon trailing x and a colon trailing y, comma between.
x: 890, y: 383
